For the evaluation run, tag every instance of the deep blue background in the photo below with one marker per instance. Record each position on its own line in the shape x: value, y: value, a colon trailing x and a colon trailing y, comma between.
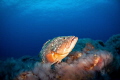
x: 26, y: 25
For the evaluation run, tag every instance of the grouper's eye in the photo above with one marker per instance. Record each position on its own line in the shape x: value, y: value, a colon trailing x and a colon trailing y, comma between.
x: 64, y: 38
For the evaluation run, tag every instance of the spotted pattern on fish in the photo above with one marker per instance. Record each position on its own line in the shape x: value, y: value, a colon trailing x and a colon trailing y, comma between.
x: 58, y: 48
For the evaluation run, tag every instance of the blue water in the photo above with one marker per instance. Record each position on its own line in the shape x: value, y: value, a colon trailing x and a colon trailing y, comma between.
x: 25, y: 25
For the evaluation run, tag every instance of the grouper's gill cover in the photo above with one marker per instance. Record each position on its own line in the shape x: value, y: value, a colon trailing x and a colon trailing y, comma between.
x: 58, y: 48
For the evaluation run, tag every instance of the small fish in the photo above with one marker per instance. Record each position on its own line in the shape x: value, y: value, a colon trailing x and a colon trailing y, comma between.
x: 58, y: 48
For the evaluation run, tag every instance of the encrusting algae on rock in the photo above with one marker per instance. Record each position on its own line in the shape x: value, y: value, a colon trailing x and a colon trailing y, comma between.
x: 80, y: 65
x: 89, y: 60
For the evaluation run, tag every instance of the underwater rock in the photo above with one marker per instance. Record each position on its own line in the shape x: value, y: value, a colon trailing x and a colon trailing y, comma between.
x: 89, y: 60
x: 113, y: 44
x: 27, y: 76
x: 87, y: 42
x: 85, y: 67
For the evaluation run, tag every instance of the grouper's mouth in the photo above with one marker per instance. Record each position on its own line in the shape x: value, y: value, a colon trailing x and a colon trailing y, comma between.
x: 74, y: 38
x: 73, y: 42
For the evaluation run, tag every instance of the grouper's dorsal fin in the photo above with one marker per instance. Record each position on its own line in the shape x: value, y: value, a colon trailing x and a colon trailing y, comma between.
x: 46, y: 42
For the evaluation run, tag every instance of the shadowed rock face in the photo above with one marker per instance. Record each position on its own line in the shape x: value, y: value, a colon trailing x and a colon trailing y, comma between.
x: 113, y: 44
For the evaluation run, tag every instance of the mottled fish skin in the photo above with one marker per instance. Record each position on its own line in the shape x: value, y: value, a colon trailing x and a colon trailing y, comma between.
x: 58, y: 48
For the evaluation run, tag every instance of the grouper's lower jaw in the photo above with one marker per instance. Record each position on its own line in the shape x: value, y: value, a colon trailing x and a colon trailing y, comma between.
x: 73, y: 43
